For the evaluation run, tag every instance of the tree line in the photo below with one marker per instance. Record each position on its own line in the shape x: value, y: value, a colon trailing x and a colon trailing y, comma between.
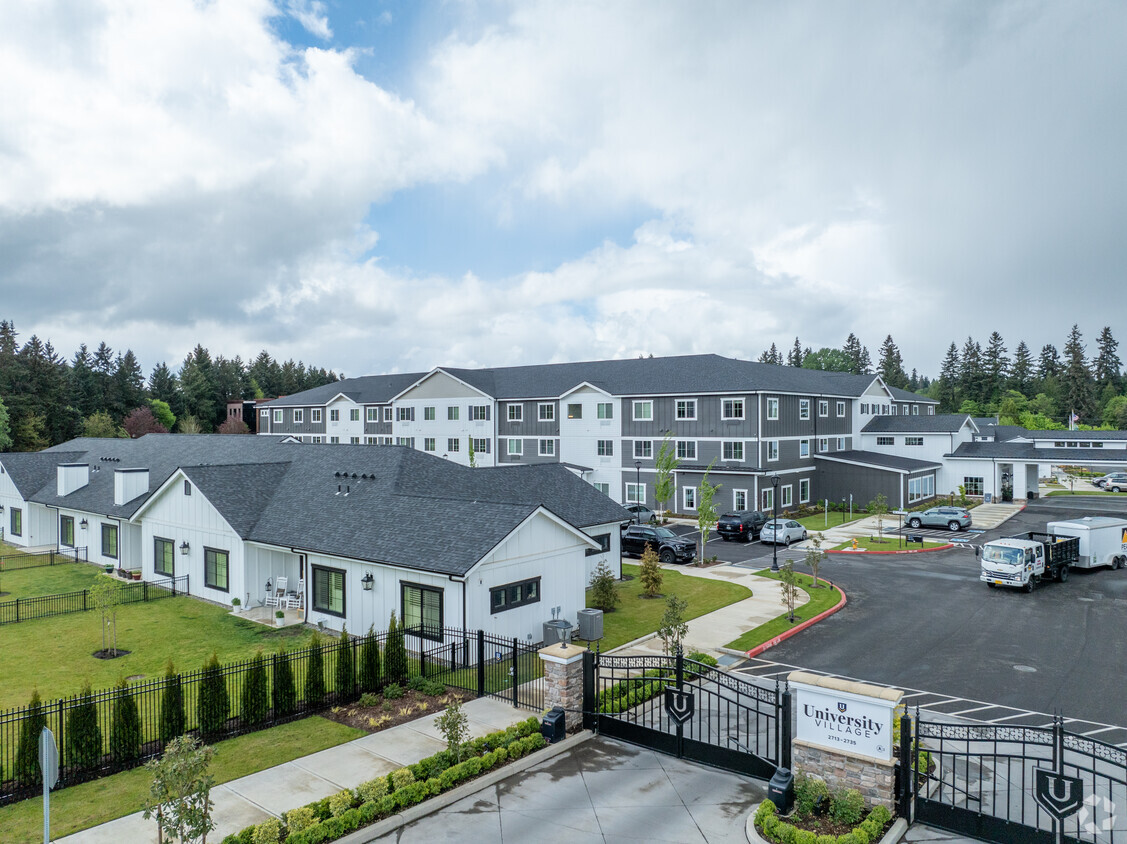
x: 46, y: 399
x: 1042, y: 392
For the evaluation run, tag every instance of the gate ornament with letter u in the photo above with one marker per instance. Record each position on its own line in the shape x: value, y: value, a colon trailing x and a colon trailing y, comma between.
x: 689, y: 710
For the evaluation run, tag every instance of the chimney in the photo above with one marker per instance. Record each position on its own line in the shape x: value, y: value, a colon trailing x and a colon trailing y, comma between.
x: 71, y: 476
x: 128, y: 484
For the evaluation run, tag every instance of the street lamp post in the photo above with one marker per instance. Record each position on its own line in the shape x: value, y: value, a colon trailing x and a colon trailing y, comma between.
x: 637, y: 489
x: 775, y: 544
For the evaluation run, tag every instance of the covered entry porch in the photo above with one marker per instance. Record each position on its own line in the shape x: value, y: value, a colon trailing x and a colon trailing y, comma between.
x: 269, y: 570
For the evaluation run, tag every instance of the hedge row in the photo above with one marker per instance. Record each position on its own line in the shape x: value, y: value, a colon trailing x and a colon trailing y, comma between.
x: 348, y: 810
x: 626, y: 694
x: 768, y: 822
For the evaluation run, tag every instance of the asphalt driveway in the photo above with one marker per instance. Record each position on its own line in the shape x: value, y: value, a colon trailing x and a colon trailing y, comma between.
x: 925, y: 621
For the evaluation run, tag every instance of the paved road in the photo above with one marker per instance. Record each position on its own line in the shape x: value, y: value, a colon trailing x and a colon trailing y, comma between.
x: 926, y: 622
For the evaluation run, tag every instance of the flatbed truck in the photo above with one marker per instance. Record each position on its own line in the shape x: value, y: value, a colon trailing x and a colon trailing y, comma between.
x: 1025, y: 560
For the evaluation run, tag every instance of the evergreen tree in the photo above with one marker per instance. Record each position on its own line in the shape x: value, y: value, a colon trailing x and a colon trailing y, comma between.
x: 5, y: 428
x: 315, y: 674
x: 30, y: 433
x: 213, y: 703
x: 171, y: 706
x: 866, y: 362
x: 370, y: 662
x: 200, y: 389
x: 125, y: 728
x: 795, y: 355
x: 129, y: 384
x: 346, y: 674
x: 285, y: 695
x: 855, y: 353
x: 256, y: 695
x: 1021, y: 373
x: 83, y: 735
x: 27, y: 751
x: 1076, y: 379
x: 971, y: 375
x: 83, y: 389
x: 1048, y: 364
x: 995, y: 366
x: 771, y: 356
x: 891, y: 369
x: 1107, y: 367
x: 395, y: 653
x: 164, y: 387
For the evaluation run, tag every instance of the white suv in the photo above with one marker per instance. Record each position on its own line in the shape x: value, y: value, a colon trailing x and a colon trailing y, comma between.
x: 1116, y: 481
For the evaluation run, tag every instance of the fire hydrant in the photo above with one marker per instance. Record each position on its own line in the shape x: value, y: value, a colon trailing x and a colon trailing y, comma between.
x: 854, y: 544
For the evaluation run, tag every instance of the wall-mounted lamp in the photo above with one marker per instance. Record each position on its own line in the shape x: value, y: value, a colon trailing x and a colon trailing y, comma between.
x: 184, y: 548
x: 367, y: 581
x: 269, y: 586
x: 83, y: 524
x: 1, y: 508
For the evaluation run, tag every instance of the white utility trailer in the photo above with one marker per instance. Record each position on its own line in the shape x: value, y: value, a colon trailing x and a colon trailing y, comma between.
x: 1103, y: 540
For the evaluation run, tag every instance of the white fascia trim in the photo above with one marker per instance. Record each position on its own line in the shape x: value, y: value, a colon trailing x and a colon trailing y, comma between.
x: 430, y: 375
x: 178, y: 475
x: 539, y: 511
x: 580, y: 386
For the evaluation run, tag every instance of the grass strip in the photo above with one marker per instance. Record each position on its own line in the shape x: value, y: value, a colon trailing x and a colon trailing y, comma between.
x: 821, y: 599
x: 868, y: 543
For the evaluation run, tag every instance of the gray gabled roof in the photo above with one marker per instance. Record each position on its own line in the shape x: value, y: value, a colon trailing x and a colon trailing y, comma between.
x: 31, y: 471
x: 367, y: 389
x: 940, y: 423
x: 240, y: 492
x: 876, y: 460
x: 905, y: 395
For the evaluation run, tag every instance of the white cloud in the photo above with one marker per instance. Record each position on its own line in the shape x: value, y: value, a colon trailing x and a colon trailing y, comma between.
x: 311, y: 15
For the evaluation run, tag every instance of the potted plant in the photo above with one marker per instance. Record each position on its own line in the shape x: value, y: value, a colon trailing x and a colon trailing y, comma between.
x: 237, y: 604
x: 136, y: 575
x: 279, y: 618
x: 109, y: 568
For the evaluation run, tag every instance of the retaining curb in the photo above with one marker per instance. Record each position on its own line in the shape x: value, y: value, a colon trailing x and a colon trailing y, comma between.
x: 894, y: 834
x: 770, y: 643
x: 904, y: 551
x: 441, y: 801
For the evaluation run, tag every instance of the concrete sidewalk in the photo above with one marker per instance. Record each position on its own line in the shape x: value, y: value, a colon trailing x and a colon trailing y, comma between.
x: 984, y: 517
x: 254, y: 798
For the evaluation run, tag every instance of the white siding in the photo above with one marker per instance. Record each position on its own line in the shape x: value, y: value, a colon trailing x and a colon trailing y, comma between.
x: 579, y: 438
x: 613, y: 557
x: 442, y: 392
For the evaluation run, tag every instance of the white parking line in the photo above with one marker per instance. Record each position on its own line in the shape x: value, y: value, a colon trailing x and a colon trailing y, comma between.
x: 974, y: 709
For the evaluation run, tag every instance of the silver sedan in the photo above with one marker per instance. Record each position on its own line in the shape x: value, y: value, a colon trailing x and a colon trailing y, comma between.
x: 782, y: 532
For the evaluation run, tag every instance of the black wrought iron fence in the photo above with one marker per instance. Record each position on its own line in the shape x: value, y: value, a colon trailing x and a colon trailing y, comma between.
x: 481, y: 663
x: 38, y: 559
x: 45, y: 606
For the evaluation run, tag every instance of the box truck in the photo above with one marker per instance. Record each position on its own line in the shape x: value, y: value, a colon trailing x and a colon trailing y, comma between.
x: 1103, y: 540
x: 1023, y: 561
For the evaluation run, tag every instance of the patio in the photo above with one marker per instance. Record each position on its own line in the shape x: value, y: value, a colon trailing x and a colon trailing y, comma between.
x: 266, y: 615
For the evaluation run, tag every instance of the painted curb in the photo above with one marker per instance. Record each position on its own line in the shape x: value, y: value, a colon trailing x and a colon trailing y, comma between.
x: 894, y: 834
x: 441, y: 801
x: 905, y: 551
x: 770, y: 643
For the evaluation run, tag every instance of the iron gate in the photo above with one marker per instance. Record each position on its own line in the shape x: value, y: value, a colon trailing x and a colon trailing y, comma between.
x: 688, y: 710
x: 983, y: 780
x: 481, y: 663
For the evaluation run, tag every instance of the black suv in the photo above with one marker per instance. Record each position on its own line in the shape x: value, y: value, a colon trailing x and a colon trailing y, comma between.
x: 670, y: 547
x: 744, y: 525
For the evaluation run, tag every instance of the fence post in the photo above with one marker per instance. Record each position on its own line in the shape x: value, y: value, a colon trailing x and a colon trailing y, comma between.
x: 907, y: 768
x: 516, y: 671
x: 784, y: 749
x: 145, y: 591
x: 422, y: 656
x: 61, y: 738
x: 17, y: 610
x: 590, y: 717
x: 480, y: 663
x: 84, y: 607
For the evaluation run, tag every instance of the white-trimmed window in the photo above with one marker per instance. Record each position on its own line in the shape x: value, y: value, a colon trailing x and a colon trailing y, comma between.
x: 479, y: 412
x: 804, y: 491
x: 786, y: 495
x: 547, y: 448
x: 354, y: 440
x: 604, y: 410
x: 643, y: 449
x: 546, y: 412
x: 453, y: 444
x: 605, y: 448
x: 635, y: 493
x: 428, y: 414
x: 604, y: 488
x: 804, y: 448
x: 428, y: 444
x: 516, y: 413
x: 895, y: 410
x: 405, y: 414
x: 481, y: 445
x: 915, y: 410
x: 407, y: 441
x: 886, y: 440
x: 689, y: 497
x: 516, y: 447
x: 733, y: 450
x: 315, y: 415
x: 575, y: 411
x: 931, y: 410
x: 277, y: 417
x: 864, y: 408
x: 823, y: 445
x: 370, y: 440
x: 732, y: 409
x: 372, y: 414
x: 913, y: 440
x: 334, y: 415
x: 768, y: 497
x: 354, y: 414
x: 823, y: 408
x: 841, y: 443
x: 298, y: 416
x: 772, y: 408
x: 686, y: 450
x: 841, y: 408
x: 264, y: 413
x: 739, y: 499
x: 452, y: 413
x: 317, y: 440
x: 686, y: 409
x: 387, y: 414
x: 643, y: 411
x: 772, y: 450
x: 973, y: 486
x: 804, y: 409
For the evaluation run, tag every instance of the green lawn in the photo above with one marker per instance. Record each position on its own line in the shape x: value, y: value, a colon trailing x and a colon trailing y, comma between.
x: 48, y: 580
x: 821, y: 599
x: 889, y: 543
x: 637, y: 616
x: 816, y: 524
x: 54, y: 654
x: 1084, y: 492
x: 96, y: 802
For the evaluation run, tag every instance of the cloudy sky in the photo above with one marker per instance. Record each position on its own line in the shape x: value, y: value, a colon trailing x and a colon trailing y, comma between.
x: 387, y: 186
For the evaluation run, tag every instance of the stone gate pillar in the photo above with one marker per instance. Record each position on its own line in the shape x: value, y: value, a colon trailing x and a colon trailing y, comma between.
x: 563, y: 682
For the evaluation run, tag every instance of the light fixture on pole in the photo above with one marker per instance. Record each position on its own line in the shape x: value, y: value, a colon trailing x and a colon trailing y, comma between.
x: 775, y: 502
x: 638, y: 489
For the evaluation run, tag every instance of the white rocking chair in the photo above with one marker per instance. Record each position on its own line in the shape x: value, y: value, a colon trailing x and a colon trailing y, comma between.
x: 277, y: 596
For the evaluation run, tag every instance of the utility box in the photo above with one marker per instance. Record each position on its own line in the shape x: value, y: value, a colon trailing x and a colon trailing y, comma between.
x: 553, y: 727
x: 554, y: 629
x: 780, y: 790
x: 590, y: 625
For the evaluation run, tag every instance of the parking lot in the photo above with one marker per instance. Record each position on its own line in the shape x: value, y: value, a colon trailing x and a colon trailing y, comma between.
x: 925, y: 621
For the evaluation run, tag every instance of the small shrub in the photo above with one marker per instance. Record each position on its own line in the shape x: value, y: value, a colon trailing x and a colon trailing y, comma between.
x: 372, y: 790
x: 83, y: 735
x: 880, y: 814
x: 298, y: 820
x: 171, y: 706
x: 604, y: 589
x: 268, y: 832
x: 401, y: 778
x: 805, y: 836
x: 341, y: 802
x: 346, y: 675
x: 395, y: 652
x: 213, y: 703
x: 315, y: 674
x: 392, y: 691
x: 370, y: 663
x: 256, y: 694
x: 369, y: 699
x: 125, y: 728
x: 827, y: 839
x: 285, y: 693
x: 809, y: 794
x: 848, y: 806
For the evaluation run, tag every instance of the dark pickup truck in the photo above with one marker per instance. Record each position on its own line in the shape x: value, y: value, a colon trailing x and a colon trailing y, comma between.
x: 670, y: 547
x: 744, y: 525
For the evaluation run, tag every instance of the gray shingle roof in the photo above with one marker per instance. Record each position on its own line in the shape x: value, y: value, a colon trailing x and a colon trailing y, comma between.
x: 367, y: 389
x: 940, y: 423
x: 1029, y: 452
x: 878, y: 460
x: 905, y: 395
x: 31, y: 471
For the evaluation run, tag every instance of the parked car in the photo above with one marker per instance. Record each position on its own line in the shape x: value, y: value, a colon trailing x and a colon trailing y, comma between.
x: 952, y: 518
x: 670, y: 547
x: 1115, y: 482
x: 641, y: 513
x: 782, y: 532
x: 744, y: 525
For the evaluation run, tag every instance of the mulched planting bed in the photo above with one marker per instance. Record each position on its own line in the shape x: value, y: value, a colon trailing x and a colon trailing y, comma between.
x: 384, y: 713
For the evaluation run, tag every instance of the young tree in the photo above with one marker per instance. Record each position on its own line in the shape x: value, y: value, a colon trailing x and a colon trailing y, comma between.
x: 125, y: 727
x: 346, y: 674
x: 650, y: 572
x: 83, y: 735
x: 470, y: 453
x: 673, y: 628
x: 315, y: 673
x: 189, y: 425
x: 27, y: 751
x: 604, y: 588
x: 789, y: 580
x: 163, y: 413
x: 171, y: 705
x: 214, y: 703
x: 815, y: 556
x: 370, y: 662
x: 706, y: 509
x: 233, y: 425
x: 664, y: 466
x: 285, y: 693
x: 395, y: 653
x: 879, y: 507
x: 106, y: 596
x: 256, y: 695
x: 455, y: 728
x: 180, y: 793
